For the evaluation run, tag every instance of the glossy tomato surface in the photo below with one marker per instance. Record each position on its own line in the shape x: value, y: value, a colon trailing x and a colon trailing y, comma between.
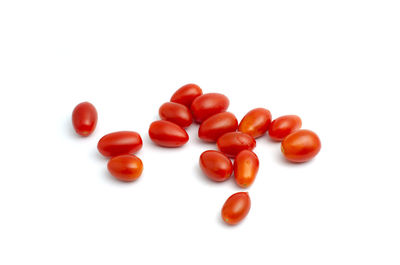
x: 120, y: 143
x: 217, y: 125
x: 167, y: 134
x: 301, y: 146
x: 245, y: 168
x: 207, y: 105
x: 236, y: 208
x: 186, y: 94
x: 256, y: 122
x: 216, y: 165
x: 283, y: 126
x: 125, y: 167
x: 233, y: 142
x: 176, y: 113
x: 84, y: 118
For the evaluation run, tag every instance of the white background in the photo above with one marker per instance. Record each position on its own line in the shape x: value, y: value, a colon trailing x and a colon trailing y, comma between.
x: 334, y: 63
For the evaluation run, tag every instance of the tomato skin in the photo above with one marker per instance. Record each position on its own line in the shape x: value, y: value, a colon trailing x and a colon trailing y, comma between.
x: 236, y: 208
x: 245, y: 168
x: 233, y: 142
x: 301, y: 146
x: 283, y: 126
x: 216, y: 165
x: 125, y: 167
x: 176, y: 113
x: 207, y: 105
x: 217, y: 125
x: 167, y: 134
x: 120, y: 143
x: 256, y: 122
x: 84, y: 118
x: 186, y: 94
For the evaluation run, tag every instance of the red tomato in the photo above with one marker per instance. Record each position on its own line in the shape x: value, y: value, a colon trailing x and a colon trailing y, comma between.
x: 216, y: 165
x: 186, y: 94
x: 207, y: 105
x: 236, y: 208
x: 84, y: 118
x: 245, y: 168
x: 167, y: 134
x: 233, y: 142
x: 125, y: 167
x: 215, y: 126
x: 120, y: 143
x: 301, y: 146
x: 283, y: 126
x: 255, y: 122
x: 176, y: 113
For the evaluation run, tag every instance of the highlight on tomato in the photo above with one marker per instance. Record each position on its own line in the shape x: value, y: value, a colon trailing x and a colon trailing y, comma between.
x: 256, y: 122
x: 233, y: 142
x: 207, y: 105
x: 167, y: 134
x: 186, y: 94
x: 245, y: 168
x: 176, y: 113
x: 217, y: 125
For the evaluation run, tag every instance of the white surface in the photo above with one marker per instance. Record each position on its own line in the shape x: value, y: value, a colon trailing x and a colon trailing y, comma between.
x: 334, y: 63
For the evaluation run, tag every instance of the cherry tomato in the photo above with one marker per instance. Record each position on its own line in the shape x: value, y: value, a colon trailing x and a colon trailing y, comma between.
x: 301, y: 146
x: 283, y: 126
x: 84, y: 118
x: 176, y: 113
x: 233, y: 142
x: 216, y: 165
x: 207, y: 105
x: 125, y: 167
x: 236, y: 208
x: 245, y: 168
x: 186, y: 94
x: 167, y: 134
x: 255, y: 122
x: 215, y: 126
x: 120, y: 143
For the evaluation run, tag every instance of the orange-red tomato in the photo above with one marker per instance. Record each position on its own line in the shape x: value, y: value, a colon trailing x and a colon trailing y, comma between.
x: 301, y: 146
x: 245, y: 168
x: 176, y: 113
x: 186, y: 94
x: 207, y: 105
x: 125, y: 167
x: 233, y: 142
x: 236, y: 208
x: 283, y: 126
x: 215, y: 126
x: 120, y: 143
x: 216, y: 165
x: 84, y: 118
x: 255, y: 122
x: 167, y: 134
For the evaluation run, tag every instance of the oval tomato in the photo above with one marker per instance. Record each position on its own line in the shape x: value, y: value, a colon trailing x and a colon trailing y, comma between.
x: 236, y: 208
x: 176, y: 113
x: 167, y: 134
x: 245, y: 168
x: 255, y: 122
x: 301, y: 146
x: 215, y: 126
x: 283, y: 126
x: 207, y: 105
x: 216, y: 165
x: 186, y: 94
x: 120, y: 143
x: 125, y: 167
x: 233, y: 142
x: 84, y: 118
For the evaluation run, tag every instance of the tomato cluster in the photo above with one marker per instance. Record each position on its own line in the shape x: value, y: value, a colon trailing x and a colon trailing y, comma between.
x: 234, y: 140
